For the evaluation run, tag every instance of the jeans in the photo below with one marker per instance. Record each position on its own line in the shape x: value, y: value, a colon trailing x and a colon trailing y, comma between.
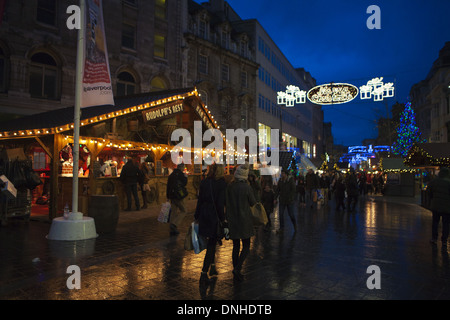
x: 445, y: 226
x: 240, y: 256
x: 132, y: 189
x: 290, y: 208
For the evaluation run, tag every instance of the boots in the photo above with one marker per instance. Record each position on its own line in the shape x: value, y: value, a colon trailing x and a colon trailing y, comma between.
x: 212, y: 270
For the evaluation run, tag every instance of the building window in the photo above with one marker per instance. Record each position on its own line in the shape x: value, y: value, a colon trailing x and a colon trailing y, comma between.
x: 225, y: 39
x: 3, y: 71
x: 43, y: 77
x: 126, y: 84
x: 243, y: 46
x: 203, y: 29
x: 160, y: 9
x: 224, y: 112
x: 202, y: 64
x: 244, y: 82
x: 244, y: 116
x: 204, y: 96
x: 159, y: 49
x: 46, y: 12
x: 128, y: 36
x: 225, y: 72
x: 158, y: 84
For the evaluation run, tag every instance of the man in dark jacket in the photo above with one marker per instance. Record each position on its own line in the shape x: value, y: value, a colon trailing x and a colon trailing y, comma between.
x: 312, y: 184
x: 177, y: 181
x: 439, y: 194
x: 130, y: 176
x: 351, y: 184
x: 285, y: 193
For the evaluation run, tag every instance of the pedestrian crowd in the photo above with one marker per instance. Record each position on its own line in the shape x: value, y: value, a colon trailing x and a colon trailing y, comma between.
x: 224, y: 208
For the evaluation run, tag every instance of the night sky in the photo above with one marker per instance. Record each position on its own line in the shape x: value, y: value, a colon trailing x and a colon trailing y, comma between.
x: 330, y: 39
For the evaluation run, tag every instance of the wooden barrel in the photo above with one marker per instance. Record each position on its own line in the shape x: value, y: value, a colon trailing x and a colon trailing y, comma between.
x: 104, y: 209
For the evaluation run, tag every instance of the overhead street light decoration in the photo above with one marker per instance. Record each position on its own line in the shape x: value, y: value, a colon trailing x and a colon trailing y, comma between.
x: 336, y: 93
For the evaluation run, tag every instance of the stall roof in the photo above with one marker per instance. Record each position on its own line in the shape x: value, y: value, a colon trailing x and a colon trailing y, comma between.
x: 394, y: 164
x: 429, y: 155
x: 64, y: 116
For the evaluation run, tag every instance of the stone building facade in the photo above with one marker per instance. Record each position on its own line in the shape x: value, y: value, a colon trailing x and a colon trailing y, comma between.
x: 220, y: 63
x: 38, y: 51
x: 430, y: 99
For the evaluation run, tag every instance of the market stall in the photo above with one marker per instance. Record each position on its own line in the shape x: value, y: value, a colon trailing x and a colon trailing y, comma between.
x: 138, y: 126
x: 399, y: 179
x: 428, y: 158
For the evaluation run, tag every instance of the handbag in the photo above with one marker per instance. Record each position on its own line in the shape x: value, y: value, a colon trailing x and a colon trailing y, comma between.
x: 259, y: 216
x: 198, y: 242
x: 164, y: 214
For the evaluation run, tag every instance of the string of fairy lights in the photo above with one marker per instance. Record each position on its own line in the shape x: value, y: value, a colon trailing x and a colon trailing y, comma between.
x: 131, y: 145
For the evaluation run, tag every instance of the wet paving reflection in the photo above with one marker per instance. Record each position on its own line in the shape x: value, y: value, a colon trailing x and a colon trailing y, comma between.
x: 327, y: 258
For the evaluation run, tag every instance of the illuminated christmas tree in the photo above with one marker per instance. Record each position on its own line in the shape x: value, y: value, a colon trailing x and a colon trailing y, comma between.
x: 407, y: 132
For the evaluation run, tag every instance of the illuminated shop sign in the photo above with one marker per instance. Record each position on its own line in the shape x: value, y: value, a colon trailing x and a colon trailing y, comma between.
x: 163, y: 112
x: 336, y: 93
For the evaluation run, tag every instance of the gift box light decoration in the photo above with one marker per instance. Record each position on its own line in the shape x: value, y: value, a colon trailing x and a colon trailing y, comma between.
x: 377, y: 89
x: 291, y: 96
x: 335, y: 93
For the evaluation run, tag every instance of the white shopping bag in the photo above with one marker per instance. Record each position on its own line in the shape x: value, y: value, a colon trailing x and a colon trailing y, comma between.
x: 164, y: 214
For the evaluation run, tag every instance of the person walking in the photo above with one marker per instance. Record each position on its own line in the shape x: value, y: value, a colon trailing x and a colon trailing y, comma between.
x: 351, y: 185
x: 256, y: 186
x: 130, y: 175
x: 339, y: 193
x: 312, y: 184
x: 176, y: 182
x: 268, y: 202
x: 143, y: 182
x: 439, y: 195
x: 285, y: 193
x: 239, y: 199
x: 210, y: 215
x: 301, y: 189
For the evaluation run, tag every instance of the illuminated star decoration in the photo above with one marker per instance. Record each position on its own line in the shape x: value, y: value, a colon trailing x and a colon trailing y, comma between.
x: 377, y: 89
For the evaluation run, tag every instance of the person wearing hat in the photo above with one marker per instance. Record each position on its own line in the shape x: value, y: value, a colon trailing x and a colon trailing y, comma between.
x: 176, y: 182
x: 439, y: 194
x: 285, y: 192
x: 239, y: 199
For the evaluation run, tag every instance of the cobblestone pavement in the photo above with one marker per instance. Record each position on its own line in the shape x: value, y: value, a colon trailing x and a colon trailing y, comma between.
x: 327, y: 258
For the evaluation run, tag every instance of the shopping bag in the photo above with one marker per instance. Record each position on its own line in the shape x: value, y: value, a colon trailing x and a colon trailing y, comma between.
x: 164, y: 214
x: 198, y: 242
x: 259, y: 216
x: 314, y: 196
x: 188, y: 240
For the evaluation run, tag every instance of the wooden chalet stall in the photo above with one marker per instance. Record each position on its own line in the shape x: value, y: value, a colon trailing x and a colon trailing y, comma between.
x: 137, y: 126
x: 428, y: 158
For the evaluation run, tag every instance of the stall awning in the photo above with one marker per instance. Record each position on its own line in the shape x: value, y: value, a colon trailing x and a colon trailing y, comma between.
x: 394, y: 165
x: 61, y: 120
x: 428, y: 155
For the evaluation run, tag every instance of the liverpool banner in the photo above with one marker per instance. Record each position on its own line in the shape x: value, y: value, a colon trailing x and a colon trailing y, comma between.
x: 97, y: 88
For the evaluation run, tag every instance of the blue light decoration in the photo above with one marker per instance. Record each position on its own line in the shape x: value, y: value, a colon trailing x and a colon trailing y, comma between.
x: 408, y: 133
x: 358, y: 154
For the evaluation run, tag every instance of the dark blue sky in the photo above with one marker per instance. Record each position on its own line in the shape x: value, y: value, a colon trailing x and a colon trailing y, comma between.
x: 330, y: 39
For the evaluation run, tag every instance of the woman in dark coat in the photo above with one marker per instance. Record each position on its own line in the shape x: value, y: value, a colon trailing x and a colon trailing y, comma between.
x: 239, y: 199
x: 209, y: 212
